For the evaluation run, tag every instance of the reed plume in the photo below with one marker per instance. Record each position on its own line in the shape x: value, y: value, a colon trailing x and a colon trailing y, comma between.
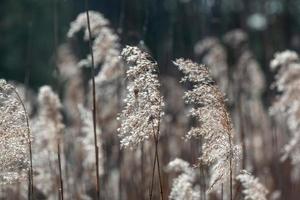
x: 141, y: 117
x: 48, y: 128
x: 214, y: 55
x: 14, y: 136
x: 87, y: 141
x: 183, y: 186
x: 143, y: 110
x: 287, y: 105
x: 214, y: 123
x: 252, y: 188
x: 49, y: 118
x: 105, y: 45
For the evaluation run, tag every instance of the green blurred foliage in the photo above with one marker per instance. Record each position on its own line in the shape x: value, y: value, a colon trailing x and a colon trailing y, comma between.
x: 27, y: 38
x: 169, y: 28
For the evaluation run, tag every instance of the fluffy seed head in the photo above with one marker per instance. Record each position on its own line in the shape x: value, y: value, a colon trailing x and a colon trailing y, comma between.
x: 283, y: 58
x: 183, y: 186
x: 213, y: 121
x: 287, y: 104
x: 253, y: 189
x: 143, y: 110
x: 105, y: 45
x: 14, y: 133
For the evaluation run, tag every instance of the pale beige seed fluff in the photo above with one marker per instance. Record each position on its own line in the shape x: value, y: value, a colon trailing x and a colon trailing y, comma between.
x: 105, y: 45
x: 87, y: 141
x: 287, y: 104
x: 14, y: 133
x: 143, y: 104
x: 252, y: 188
x: 183, y: 186
x: 48, y: 129
x: 213, y: 122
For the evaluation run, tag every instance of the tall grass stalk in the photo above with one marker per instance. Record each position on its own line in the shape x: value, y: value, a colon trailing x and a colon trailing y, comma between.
x: 152, y: 178
x: 55, y: 41
x: 156, y: 161
x: 61, y: 185
x: 94, y: 102
x: 30, y: 192
x: 142, y: 172
x: 158, y: 166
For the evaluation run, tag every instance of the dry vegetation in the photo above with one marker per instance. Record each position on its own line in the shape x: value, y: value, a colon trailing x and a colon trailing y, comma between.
x: 127, y: 132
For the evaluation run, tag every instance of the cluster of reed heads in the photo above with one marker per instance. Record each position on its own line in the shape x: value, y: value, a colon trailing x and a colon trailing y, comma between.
x: 115, y: 128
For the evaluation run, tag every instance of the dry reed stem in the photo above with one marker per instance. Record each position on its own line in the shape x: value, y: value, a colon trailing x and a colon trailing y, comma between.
x: 61, y: 186
x: 156, y: 159
x: 152, y: 178
x: 142, y: 172
x: 94, y: 102
x: 30, y: 192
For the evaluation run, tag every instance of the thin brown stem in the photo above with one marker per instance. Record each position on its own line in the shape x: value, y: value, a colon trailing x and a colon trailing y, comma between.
x: 61, y: 186
x: 31, y: 168
x: 94, y: 103
x: 142, y: 173
x: 155, y: 136
x: 120, y: 170
x: 222, y: 192
x: 156, y: 151
x: 152, y: 178
x: 230, y: 166
x: 30, y: 192
x: 97, y: 171
x: 202, y: 181
x: 201, y: 187
x: 158, y: 169
x: 244, y: 155
x: 228, y: 125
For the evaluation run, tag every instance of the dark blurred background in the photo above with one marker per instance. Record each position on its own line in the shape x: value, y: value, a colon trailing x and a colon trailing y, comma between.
x: 169, y: 28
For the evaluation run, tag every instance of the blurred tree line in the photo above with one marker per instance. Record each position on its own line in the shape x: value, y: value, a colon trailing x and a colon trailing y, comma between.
x: 29, y: 32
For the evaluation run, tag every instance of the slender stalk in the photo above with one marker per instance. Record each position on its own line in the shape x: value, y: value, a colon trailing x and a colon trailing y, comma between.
x: 230, y: 166
x: 56, y: 85
x: 142, y: 172
x: 158, y: 169
x: 231, y: 154
x: 201, y: 185
x: 97, y: 171
x: 155, y: 136
x: 244, y: 156
x: 156, y: 160
x: 202, y: 182
x: 30, y: 174
x: 30, y: 192
x: 61, y: 186
x: 222, y: 192
x: 31, y: 168
x: 26, y: 83
x: 29, y: 185
x: 120, y: 172
x: 94, y: 103
x: 152, y: 177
